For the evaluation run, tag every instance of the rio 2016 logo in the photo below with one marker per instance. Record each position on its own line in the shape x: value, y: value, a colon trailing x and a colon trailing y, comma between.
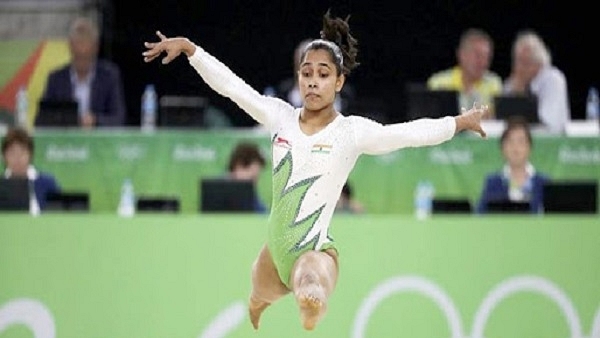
x: 35, y: 316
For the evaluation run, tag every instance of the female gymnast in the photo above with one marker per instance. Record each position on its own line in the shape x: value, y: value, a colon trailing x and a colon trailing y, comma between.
x: 314, y: 148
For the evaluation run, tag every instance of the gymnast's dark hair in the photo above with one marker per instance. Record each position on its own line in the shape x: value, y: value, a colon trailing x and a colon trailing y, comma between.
x: 337, y: 40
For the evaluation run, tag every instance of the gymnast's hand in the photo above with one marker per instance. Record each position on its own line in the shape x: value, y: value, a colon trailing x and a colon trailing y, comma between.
x: 172, y: 46
x: 471, y: 119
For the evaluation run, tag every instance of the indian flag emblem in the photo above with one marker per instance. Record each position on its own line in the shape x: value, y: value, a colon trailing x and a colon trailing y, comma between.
x: 321, y: 148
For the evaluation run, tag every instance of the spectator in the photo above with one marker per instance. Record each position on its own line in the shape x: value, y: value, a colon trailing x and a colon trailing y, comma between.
x: 94, y: 83
x: 17, y: 153
x: 518, y: 181
x: 471, y: 76
x: 347, y: 204
x: 246, y: 162
x: 533, y: 73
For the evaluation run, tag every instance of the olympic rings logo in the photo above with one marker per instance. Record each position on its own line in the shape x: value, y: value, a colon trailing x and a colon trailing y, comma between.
x: 506, y: 288
x: 34, y: 315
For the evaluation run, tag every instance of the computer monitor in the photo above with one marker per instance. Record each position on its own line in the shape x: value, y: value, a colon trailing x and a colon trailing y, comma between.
x: 182, y: 111
x: 424, y: 102
x: 158, y: 204
x: 571, y: 197
x: 508, y: 106
x: 14, y: 194
x: 68, y: 201
x: 57, y: 113
x: 226, y: 195
x: 508, y: 207
x: 451, y: 206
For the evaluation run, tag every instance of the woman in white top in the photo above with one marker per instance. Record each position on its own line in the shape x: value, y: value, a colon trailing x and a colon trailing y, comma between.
x: 533, y: 73
x: 314, y: 148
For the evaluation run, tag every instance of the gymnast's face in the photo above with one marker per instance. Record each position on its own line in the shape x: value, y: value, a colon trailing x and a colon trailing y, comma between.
x: 318, y: 81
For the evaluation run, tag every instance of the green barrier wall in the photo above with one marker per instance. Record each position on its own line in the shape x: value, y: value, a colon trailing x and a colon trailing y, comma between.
x: 189, y: 276
x: 170, y: 163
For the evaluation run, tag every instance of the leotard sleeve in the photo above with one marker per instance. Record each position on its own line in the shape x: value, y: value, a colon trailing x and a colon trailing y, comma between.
x: 374, y: 138
x: 265, y: 110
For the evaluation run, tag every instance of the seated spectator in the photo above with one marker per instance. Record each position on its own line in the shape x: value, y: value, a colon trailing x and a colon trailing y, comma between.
x: 471, y: 76
x: 347, y: 204
x: 533, y: 73
x: 17, y: 153
x: 94, y: 83
x: 518, y: 181
x: 246, y: 162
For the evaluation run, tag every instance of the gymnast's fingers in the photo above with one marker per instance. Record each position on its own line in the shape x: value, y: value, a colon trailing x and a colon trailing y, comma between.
x: 161, y: 36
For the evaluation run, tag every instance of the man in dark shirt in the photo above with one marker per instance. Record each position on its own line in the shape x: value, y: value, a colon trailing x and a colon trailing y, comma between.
x: 95, y: 84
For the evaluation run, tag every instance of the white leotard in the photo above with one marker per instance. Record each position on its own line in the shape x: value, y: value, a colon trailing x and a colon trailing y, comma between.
x: 310, y: 170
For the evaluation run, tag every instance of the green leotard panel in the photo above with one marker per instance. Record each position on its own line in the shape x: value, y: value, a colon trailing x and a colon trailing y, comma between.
x: 287, y: 238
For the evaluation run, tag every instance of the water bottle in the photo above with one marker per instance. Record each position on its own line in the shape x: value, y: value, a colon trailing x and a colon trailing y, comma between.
x: 149, y: 108
x: 270, y: 91
x: 21, y: 107
x: 592, y: 107
x: 127, y: 200
x: 34, y: 206
x: 423, y: 199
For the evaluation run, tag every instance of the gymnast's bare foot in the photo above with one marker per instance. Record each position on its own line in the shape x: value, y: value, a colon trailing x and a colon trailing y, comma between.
x: 255, y: 309
x: 311, y: 300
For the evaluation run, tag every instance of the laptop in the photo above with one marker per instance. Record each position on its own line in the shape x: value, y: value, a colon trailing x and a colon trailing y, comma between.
x: 157, y: 204
x: 507, y: 106
x: 423, y: 102
x: 57, y: 113
x: 226, y: 195
x: 14, y: 194
x: 451, y: 206
x: 508, y: 207
x: 571, y: 197
x: 67, y: 201
x: 182, y: 111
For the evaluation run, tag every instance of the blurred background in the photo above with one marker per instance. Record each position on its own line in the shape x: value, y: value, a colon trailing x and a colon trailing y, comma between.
x: 126, y: 249
x: 399, y: 42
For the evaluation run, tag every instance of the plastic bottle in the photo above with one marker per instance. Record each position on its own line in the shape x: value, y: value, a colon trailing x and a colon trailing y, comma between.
x: 149, y: 108
x: 21, y: 107
x: 127, y: 200
x: 423, y: 199
x: 270, y: 91
x: 34, y: 206
x: 592, y: 107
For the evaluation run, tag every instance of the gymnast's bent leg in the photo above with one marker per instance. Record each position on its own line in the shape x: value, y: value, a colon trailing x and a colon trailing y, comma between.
x: 313, y: 278
x: 266, y: 285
